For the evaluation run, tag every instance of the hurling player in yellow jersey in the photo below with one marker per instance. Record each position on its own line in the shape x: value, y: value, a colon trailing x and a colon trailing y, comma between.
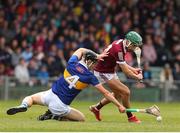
x: 77, y: 76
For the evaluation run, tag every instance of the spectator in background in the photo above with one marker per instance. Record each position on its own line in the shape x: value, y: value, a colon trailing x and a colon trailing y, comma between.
x: 39, y: 54
x: 176, y: 74
x: 16, y: 55
x: 33, y: 70
x: 21, y: 8
x: 27, y: 54
x: 2, y: 69
x: 39, y: 41
x: 114, y: 34
x: 53, y: 50
x: 167, y: 81
x: 21, y: 72
x: 166, y: 74
x: 60, y: 60
x: 9, y: 71
x: 14, y: 44
x: 22, y: 34
x: 60, y: 42
x: 43, y: 75
x: 162, y: 52
x: 176, y: 52
x: 147, y: 75
x: 176, y: 71
x: 2, y: 73
x: 149, y: 52
x: 5, y: 56
x: 51, y: 64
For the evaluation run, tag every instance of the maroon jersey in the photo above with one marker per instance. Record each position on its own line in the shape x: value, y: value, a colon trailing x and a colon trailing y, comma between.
x: 116, y: 55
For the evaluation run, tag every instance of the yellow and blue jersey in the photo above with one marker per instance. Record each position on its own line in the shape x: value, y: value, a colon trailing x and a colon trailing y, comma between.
x: 76, y: 77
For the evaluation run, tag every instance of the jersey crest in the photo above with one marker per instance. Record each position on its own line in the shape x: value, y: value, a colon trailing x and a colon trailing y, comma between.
x: 79, y: 69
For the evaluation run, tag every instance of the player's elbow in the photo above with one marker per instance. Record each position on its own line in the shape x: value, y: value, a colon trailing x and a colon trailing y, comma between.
x: 82, y: 49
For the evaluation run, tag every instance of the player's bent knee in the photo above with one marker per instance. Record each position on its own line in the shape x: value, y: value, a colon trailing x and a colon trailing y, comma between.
x: 81, y: 120
x: 75, y: 115
x: 78, y: 119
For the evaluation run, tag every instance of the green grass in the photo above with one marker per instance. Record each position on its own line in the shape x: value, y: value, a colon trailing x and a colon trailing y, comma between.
x: 112, y: 120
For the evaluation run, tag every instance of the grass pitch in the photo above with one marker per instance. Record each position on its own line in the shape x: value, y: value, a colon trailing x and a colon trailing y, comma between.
x: 113, y: 121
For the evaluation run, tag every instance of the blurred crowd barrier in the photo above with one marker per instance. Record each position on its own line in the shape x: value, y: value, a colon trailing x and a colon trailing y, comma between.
x: 147, y: 91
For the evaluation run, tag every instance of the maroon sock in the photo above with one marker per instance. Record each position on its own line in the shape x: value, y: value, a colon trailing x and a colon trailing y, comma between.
x: 129, y: 114
x: 99, y: 105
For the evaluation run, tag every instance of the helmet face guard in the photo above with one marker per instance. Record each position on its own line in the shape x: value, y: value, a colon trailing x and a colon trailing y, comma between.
x: 90, y: 56
x: 134, y: 38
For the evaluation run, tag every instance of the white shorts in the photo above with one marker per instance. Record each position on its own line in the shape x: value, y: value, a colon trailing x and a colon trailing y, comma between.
x: 55, y: 105
x: 104, y: 77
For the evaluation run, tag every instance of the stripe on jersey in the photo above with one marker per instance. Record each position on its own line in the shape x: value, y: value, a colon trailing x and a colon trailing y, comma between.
x: 78, y: 85
x: 119, y: 41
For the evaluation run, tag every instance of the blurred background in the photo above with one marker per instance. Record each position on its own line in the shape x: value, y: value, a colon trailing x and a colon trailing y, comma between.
x: 37, y: 37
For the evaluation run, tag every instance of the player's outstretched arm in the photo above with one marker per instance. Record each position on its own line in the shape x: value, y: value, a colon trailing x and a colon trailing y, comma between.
x: 126, y: 69
x: 110, y: 97
x: 79, y: 53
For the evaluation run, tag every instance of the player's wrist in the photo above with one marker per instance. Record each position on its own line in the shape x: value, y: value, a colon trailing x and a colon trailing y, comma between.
x: 122, y: 109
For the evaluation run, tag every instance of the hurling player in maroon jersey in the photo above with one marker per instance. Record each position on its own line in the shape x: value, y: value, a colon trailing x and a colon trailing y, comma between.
x: 105, y: 72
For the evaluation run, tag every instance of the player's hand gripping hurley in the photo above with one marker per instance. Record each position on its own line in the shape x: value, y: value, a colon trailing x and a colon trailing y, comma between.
x: 153, y: 110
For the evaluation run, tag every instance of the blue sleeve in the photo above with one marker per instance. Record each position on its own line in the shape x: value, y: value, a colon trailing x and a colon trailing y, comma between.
x: 94, y: 81
x: 73, y: 59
